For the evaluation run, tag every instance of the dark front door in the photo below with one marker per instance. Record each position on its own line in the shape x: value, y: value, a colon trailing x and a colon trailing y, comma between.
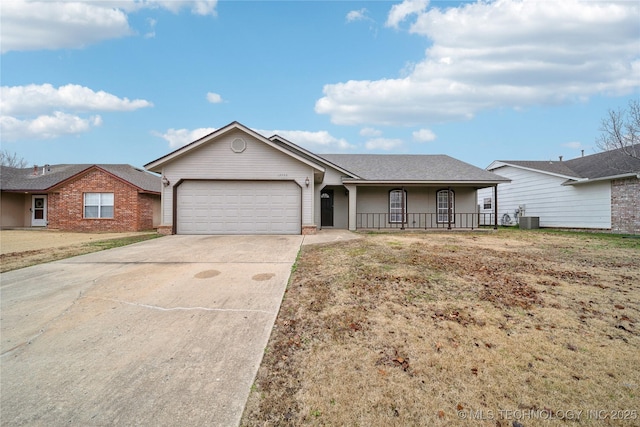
x: 326, y: 208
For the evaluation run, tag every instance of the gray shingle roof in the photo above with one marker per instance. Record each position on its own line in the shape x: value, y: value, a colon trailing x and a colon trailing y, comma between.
x: 555, y: 167
x: 605, y: 164
x: 599, y: 165
x: 24, y: 179
x: 399, y: 167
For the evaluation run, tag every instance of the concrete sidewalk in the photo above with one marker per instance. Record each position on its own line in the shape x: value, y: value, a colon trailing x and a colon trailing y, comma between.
x: 169, y: 331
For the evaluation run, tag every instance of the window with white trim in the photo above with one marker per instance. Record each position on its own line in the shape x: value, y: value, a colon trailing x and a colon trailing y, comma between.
x: 442, y: 197
x: 486, y: 203
x: 397, y: 206
x: 98, y: 205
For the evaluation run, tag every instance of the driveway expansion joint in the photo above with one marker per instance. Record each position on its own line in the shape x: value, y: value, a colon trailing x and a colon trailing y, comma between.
x: 156, y: 307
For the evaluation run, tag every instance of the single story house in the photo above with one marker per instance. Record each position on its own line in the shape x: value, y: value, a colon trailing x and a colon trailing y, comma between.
x: 600, y: 191
x: 236, y: 181
x: 80, y: 197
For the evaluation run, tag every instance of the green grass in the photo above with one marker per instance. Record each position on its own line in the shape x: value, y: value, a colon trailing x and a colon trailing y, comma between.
x: 617, y: 240
x: 123, y: 241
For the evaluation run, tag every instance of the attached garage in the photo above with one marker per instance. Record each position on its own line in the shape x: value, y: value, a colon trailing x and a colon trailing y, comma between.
x: 238, y: 207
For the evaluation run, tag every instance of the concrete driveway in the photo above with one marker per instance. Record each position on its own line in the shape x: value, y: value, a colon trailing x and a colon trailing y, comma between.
x: 169, y: 331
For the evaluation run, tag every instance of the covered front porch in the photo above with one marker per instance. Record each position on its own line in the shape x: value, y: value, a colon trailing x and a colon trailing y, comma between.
x: 407, y: 206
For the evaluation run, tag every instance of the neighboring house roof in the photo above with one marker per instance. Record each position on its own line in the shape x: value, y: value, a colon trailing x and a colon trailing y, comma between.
x: 50, y: 176
x: 408, y: 167
x: 552, y: 167
x: 595, y: 167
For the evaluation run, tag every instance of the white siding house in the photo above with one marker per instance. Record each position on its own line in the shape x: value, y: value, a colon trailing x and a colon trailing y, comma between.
x: 600, y: 191
x: 545, y: 195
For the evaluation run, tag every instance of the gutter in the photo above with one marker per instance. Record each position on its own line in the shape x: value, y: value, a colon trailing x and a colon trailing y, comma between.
x: 604, y: 178
x: 418, y: 182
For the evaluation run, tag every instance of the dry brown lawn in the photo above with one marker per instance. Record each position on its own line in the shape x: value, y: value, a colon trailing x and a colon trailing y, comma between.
x: 445, y: 329
x: 24, y: 248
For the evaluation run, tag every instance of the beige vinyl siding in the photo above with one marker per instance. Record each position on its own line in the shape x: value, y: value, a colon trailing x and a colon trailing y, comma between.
x: 259, y: 161
x: 420, y: 200
x: 340, y: 209
x: 15, y: 209
x: 333, y: 180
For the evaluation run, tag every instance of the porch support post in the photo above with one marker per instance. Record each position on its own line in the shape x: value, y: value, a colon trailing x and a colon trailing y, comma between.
x: 403, y: 201
x: 495, y: 206
x: 353, y: 193
x: 449, y: 208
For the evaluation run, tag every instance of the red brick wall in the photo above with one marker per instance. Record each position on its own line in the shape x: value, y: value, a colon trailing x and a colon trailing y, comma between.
x: 132, y: 211
x: 145, y: 211
x: 625, y: 206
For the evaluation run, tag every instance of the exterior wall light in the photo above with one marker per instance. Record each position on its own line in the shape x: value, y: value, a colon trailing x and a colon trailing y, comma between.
x: 306, y: 182
x: 165, y: 181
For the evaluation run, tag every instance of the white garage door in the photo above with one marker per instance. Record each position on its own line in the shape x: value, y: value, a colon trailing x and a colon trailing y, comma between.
x: 238, y: 207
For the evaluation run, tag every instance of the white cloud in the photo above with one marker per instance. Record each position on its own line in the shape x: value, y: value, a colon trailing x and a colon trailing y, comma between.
x: 385, y: 144
x: 181, y: 137
x: 33, y: 99
x: 370, y: 132
x: 30, y: 25
x: 46, y: 126
x: 499, y: 54
x: 316, y: 142
x: 399, y: 12
x: 214, y: 98
x: 44, y: 112
x: 357, y: 15
x: 35, y: 25
x: 424, y: 135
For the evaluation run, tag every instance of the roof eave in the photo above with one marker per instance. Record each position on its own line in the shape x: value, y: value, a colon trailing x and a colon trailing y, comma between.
x: 425, y: 182
x: 498, y: 164
x: 604, y: 178
x: 312, y: 155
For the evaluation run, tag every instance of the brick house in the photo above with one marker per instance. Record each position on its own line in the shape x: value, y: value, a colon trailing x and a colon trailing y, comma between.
x: 598, y: 192
x: 80, y: 197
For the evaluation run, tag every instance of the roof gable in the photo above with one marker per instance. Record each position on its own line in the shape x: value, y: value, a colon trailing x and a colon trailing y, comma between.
x: 157, y: 164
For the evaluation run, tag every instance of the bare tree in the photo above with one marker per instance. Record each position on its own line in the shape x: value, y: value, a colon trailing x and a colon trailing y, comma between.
x: 621, y: 130
x: 11, y: 159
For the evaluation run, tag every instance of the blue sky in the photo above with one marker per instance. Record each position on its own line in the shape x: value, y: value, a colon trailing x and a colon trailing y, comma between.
x: 127, y: 81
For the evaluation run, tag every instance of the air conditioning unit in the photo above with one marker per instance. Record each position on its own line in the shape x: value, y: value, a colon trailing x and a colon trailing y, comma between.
x: 529, y: 222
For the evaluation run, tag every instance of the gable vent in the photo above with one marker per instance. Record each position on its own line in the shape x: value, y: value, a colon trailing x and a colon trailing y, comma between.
x: 238, y: 145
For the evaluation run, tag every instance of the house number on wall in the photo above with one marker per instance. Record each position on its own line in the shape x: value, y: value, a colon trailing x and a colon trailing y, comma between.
x: 283, y: 174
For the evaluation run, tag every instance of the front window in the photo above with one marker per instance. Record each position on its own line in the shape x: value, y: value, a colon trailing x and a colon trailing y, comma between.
x: 397, y: 206
x: 98, y: 205
x: 487, y: 203
x: 444, y: 204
